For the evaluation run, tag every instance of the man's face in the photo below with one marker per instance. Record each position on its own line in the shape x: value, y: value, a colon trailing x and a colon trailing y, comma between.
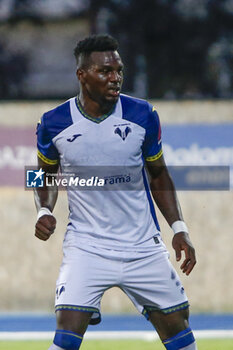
x: 102, y: 78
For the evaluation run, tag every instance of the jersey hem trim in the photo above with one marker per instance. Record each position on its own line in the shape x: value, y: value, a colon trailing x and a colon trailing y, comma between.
x: 155, y: 157
x: 166, y: 311
x: 93, y: 321
x: 81, y: 242
x: 47, y: 160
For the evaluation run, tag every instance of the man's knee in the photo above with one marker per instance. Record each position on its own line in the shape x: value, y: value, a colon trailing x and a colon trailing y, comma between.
x: 174, y: 330
x: 71, y: 326
x: 183, y: 340
x: 67, y: 340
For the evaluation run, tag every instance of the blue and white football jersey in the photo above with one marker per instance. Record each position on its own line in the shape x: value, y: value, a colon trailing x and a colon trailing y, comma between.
x: 121, y: 218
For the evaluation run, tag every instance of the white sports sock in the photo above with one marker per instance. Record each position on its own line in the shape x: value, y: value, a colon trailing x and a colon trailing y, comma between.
x: 192, y: 346
x: 55, y: 347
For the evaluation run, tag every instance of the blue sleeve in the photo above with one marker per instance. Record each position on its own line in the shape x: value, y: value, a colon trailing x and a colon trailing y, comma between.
x: 152, y: 146
x: 47, y: 152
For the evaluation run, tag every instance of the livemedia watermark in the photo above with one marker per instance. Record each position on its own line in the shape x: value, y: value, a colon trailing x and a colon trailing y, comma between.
x: 128, y: 178
x: 38, y: 178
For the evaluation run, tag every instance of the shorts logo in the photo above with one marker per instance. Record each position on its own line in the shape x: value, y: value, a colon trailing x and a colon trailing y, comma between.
x: 74, y: 137
x: 35, y: 178
x: 123, y: 134
x: 173, y: 275
x: 59, y: 291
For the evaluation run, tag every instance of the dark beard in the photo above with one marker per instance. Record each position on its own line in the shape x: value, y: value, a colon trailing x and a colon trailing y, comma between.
x: 107, y: 106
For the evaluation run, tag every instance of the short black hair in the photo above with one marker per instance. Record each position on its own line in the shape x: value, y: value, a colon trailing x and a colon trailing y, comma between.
x: 101, y: 42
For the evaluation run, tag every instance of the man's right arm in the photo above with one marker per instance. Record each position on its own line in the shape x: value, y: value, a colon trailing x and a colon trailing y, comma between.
x: 45, y: 199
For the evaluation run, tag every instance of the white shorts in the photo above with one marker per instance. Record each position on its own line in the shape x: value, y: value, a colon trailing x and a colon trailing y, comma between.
x: 150, y: 281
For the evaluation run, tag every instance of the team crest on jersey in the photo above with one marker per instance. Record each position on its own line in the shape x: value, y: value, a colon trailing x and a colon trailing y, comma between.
x: 123, y: 133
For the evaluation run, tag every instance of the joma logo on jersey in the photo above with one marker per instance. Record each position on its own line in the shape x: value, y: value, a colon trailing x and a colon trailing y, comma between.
x: 74, y: 137
x: 123, y: 133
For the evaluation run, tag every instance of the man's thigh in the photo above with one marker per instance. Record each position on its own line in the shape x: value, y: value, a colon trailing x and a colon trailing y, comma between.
x: 74, y: 321
x: 168, y: 325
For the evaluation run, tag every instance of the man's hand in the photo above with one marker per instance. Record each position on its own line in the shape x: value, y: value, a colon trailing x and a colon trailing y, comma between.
x: 45, y: 226
x: 181, y: 242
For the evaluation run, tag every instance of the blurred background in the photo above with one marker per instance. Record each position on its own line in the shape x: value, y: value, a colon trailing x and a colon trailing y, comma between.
x: 171, y: 49
x: 178, y: 55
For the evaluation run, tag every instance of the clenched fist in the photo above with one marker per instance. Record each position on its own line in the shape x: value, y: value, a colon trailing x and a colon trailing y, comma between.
x: 45, y: 226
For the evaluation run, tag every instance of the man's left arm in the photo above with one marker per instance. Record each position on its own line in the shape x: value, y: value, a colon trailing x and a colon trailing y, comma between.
x: 165, y: 197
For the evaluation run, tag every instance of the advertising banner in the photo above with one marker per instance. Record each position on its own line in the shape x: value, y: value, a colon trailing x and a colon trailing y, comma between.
x: 199, y: 156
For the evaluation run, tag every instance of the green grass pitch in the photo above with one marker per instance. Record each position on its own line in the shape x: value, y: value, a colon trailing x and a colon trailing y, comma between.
x: 203, y: 344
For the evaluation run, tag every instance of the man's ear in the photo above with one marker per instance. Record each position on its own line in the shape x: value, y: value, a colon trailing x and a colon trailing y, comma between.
x: 81, y: 75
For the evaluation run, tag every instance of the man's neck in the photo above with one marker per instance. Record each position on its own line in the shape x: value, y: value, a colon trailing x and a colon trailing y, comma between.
x: 93, y: 108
